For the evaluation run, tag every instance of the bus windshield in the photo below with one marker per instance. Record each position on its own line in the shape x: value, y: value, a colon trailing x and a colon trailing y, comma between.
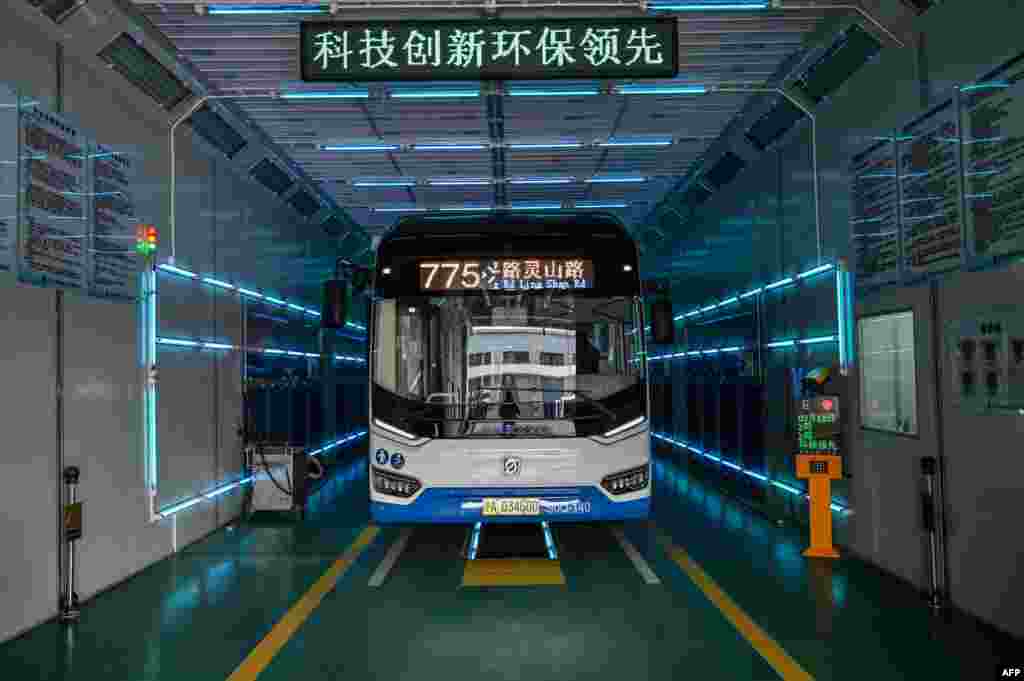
x: 507, y: 364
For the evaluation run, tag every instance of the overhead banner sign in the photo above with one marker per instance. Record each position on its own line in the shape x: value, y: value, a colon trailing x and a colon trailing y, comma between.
x: 536, y: 49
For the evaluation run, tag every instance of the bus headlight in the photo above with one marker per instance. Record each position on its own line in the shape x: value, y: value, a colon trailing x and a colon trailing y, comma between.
x: 626, y: 481
x: 394, y: 485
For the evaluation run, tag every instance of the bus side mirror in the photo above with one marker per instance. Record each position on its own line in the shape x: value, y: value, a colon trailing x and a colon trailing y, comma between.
x: 334, y: 309
x: 662, y: 324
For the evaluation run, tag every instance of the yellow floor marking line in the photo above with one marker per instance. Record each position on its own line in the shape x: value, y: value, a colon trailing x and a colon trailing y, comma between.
x: 265, y: 650
x: 512, y: 572
x: 767, y: 647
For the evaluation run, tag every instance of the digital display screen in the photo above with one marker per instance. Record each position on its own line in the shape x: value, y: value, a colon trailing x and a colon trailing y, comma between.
x: 510, y: 274
x: 489, y: 49
x: 818, y: 424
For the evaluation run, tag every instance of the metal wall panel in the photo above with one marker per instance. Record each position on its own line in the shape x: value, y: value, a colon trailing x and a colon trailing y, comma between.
x: 984, y: 469
x: 28, y: 483
x: 102, y: 426
x: 186, y: 431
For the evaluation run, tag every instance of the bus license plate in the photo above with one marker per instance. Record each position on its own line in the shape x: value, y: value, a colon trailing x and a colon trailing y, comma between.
x: 512, y: 506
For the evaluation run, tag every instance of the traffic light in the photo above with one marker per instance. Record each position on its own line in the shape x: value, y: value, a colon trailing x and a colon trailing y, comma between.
x: 145, y: 240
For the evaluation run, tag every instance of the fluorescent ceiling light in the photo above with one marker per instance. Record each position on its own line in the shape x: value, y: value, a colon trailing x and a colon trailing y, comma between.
x: 175, y: 341
x: 448, y: 209
x: 399, y: 209
x: 636, y: 143
x: 536, y: 206
x: 819, y: 339
x: 546, y: 145
x: 383, y: 183
x: 780, y: 282
x: 177, y: 270
x: 565, y: 92
x: 449, y: 147
x: 334, y: 94
x: 665, y: 89
x: 541, y: 180
x: 251, y: 294
x: 459, y: 181
x: 217, y: 346
x: 708, y: 6
x: 434, y: 94
x: 606, y: 179
x: 266, y: 9
x: 217, y: 282
x: 359, y: 147
x: 817, y: 270
x: 601, y: 204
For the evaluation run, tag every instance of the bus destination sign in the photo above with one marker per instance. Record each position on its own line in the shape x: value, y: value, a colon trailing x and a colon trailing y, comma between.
x: 510, y: 274
x: 534, y: 49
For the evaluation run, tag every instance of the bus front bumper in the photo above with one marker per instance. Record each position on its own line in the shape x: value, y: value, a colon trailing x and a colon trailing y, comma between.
x: 466, y: 505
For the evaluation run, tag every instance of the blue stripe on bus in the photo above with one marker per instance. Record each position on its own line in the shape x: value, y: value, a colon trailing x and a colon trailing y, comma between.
x: 444, y: 505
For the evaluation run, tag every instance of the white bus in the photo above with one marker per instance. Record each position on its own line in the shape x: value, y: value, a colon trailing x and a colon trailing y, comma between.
x: 508, y: 381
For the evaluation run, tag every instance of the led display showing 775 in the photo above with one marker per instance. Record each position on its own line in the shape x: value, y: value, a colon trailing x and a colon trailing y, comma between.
x: 513, y: 274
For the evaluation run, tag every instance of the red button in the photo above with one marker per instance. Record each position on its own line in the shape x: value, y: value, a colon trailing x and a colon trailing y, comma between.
x: 826, y: 405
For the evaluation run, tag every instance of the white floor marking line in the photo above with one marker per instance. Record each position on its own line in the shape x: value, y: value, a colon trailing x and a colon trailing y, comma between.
x: 638, y: 561
x: 390, y: 558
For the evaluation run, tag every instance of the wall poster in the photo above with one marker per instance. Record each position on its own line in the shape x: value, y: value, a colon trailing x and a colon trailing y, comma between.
x: 54, y: 220
x: 114, y: 260
x: 8, y: 178
x: 930, y: 215
x: 875, y: 210
x: 993, y: 125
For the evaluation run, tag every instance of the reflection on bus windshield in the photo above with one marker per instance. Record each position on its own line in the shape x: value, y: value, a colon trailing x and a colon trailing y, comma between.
x: 508, y: 364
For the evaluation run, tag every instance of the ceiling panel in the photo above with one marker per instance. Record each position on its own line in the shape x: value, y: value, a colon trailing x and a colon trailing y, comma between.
x: 243, y: 53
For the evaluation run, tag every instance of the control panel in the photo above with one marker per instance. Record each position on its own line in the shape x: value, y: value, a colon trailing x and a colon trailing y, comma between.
x: 985, y: 356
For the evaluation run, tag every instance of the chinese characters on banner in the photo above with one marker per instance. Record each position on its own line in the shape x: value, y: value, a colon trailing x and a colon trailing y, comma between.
x: 54, y: 219
x: 513, y: 274
x: 115, y: 264
x: 476, y: 50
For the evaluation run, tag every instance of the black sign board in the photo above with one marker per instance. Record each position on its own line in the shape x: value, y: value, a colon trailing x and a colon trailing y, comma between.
x: 533, y: 49
x: 518, y: 274
x: 818, y: 425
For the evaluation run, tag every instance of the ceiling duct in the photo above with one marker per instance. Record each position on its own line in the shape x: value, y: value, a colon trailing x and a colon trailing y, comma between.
x: 142, y: 70
x: 270, y: 175
x: 724, y: 170
x: 57, y: 10
x: 852, y: 49
x: 304, y: 203
x: 216, y: 131
x: 774, y: 124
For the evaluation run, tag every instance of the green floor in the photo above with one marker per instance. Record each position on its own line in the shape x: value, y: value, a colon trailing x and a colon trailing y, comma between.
x: 198, y: 615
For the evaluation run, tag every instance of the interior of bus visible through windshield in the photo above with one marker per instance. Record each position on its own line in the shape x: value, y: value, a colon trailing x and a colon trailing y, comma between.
x: 536, y: 363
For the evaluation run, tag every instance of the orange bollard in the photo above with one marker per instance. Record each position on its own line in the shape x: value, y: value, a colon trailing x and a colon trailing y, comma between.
x: 820, y: 470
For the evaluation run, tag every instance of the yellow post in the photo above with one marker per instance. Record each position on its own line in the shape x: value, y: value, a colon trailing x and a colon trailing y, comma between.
x: 820, y: 470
